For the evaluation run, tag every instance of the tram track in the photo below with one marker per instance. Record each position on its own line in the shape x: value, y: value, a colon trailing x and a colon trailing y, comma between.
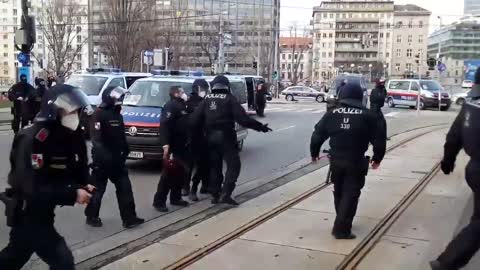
x: 351, y: 261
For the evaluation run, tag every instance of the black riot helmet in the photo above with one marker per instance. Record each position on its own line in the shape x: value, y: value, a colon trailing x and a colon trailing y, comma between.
x: 62, y: 99
x: 113, y: 96
x: 220, y: 84
x: 351, y: 94
x: 199, y: 84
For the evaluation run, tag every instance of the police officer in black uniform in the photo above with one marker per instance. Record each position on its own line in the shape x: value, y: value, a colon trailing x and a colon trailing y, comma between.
x: 19, y: 94
x: 217, y: 115
x: 261, y: 99
x: 174, y: 133
x: 198, y: 142
x: 464, y: 134
x: 48, y: 169
x: 377, y: 101
x: 109, y: 153
x: 35, y: 99
x: 350, y: 127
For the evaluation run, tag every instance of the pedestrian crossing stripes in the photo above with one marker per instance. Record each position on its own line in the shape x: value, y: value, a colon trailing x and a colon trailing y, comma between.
x: 294, y: 110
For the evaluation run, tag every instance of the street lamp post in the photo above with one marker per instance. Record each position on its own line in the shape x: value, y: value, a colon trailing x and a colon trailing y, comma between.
x: 385, y: 71
x: 370, y: 71
x: 352, y: 66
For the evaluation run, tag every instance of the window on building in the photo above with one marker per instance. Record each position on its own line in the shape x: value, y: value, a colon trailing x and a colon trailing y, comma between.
x: 5, y: 54
x: 324, y: 35
x: 420, y: 39
x: 79, y: 29
x: 324, y: 54
x: 283, y: 75
x: 289, y: 57
x: 323, y: 44
x: 289, y: 66
x: 399, y: 52
x: 397, y: 67
x: 399, y: 38
x: 301, y: 66
x: 331, y: 15
x: 420, y: 24
x: 388, y: 35
x: 5, y: 46
x: 330, y: 54
x: 330, y: 35
x: 399, y: 24
x: 420, y: 51
x: 79, y: 39
x: 14, y: 12
x: 410, y: 24
x: 330, y: 45
x: 387, y: 55
x: 5, y: 72
x: 283, y: 56
x: 410, y: 38
x: 381, y: 35
x: 79, y: 57
x: 79, y: 19
x: 409, y: 67
x: 409, y: 53
x: 325, y: 15
x: 283, y: 66
x: 388, y: 25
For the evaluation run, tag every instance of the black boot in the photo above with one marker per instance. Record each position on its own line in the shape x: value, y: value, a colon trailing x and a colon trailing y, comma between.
x: 133, y: 222
x: 161, y: 207
x: 215, y: 199
x: 436, y: 265
x: 179, y: 203
x: 203, y: 189
x: 94, y: 222
x: 344, y: 236
x: 193, y: 197
x: 227, y: 199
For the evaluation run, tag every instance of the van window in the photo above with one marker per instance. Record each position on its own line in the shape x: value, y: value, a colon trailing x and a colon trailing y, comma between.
x: 399, y: 85
x: 152, y: 93
x: 117, y: 82
x: 91, y: 85
x: 415, y: 86
x: 430, y: 85
x: 131, y: 79
x: 239, y: 91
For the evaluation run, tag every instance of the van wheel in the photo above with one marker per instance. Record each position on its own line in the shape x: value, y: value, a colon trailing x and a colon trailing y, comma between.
x: 390, y: 102
x: 240, y: 145
x: 289, y: 97
x: 422, y: 105
x: 320, y: 99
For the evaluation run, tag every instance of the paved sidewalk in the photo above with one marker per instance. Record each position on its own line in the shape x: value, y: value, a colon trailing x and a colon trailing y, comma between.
x: 298, y: 238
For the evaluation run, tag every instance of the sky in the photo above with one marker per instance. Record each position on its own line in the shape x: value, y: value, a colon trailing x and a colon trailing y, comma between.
x: 299, y: 12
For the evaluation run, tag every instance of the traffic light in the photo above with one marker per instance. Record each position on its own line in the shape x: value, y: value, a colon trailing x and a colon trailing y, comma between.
x: 431, y: 63
x: 255, y: 64
x: 275, y: 75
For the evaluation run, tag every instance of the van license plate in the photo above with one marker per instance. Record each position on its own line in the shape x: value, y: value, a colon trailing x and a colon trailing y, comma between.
x: 443, y: 104
x: 135, y: 155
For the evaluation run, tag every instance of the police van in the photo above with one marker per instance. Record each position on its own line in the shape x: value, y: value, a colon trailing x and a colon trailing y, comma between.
x: 94, y: 81
x: 405, y: 93
x: 142, y: 109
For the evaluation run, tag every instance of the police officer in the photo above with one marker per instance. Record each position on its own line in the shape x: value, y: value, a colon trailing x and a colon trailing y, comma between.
x: 198, y: 143
x: 464, y: 134
x: 377, y: 101
x: 261, y: 99
x: 217, y: 115
x: 350, y: 127
x: 35, y: 99
x: 19, y: 94
x: 174, y: 138
x: 109, y: 153
x: 48, y: 169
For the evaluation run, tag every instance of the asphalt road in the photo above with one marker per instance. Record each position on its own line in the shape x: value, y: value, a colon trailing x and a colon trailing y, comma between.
x: 263, y: 155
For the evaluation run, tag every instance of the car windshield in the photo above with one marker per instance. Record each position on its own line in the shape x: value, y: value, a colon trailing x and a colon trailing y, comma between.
x: 91, y: 85
x: 152, y: 93
x: 430, y: 85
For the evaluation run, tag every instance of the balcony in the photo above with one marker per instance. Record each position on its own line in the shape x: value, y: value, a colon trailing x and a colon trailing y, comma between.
x: 357, y: 30
x: 357, y: 50
x: 351, y: 40
x: 350, y: 60
x: 358, y: 20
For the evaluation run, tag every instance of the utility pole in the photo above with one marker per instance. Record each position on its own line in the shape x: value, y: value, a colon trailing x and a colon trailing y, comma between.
x: 90, y: 33
x: 221, y: 50
x: 276, y: 49
x: 259, y: 39
x: 439, y: 57
x: 25, y: 38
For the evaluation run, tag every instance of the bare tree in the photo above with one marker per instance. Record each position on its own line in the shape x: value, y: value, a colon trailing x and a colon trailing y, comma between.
x: 124, y: 30
x: 57, y: 21
x: 298, y: 49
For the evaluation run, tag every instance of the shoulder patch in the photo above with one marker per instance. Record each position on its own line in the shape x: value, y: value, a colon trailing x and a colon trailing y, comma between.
x: 37, y: 161
x: 97, y: 125
x: 42, y: 135
x: 169, y: 114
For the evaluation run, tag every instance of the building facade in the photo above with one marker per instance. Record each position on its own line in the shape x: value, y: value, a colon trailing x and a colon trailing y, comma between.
x: 471, y: 7
x: 191, y: 30
x: 410, y: 38
x: 453, y: 45
x: 295, y: 59
x: 10, y: 20
x: 353, y: 36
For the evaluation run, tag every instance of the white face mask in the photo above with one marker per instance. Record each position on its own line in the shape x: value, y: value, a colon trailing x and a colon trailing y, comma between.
x: 71, y: 121
x: 184, y: 96
x: 202, y: 94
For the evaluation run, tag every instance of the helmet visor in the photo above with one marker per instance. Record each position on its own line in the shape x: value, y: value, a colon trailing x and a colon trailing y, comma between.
x: 71, y: 101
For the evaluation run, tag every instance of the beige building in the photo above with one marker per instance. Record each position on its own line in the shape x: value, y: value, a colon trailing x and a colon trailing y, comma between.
x: 410, y: 39
x: 295, y: 59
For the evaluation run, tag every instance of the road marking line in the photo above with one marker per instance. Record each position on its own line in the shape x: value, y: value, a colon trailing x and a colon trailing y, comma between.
x: 306, y: 110
x: 286, y: 110
x: 319, y: 111
x: 285, y: 128
x: 272, y: 109
x: 391, y: 114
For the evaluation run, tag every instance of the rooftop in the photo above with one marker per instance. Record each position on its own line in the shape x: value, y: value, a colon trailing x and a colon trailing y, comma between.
x: 289, y: 42
x: 410, y: 8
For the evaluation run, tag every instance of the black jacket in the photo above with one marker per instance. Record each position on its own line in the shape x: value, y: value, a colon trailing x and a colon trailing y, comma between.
x: 193, y: 102
x: 377, y: 98
x: 174, y: 125
x: 350, y: 130
x: 261, y: 98
x: 110, y: 147
x: 20, y: 89
x: 464, y: 132
x: 48, y: 165
x: 220, y: 111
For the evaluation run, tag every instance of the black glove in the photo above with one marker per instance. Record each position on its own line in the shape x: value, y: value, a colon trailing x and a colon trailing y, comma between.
x: 447, y: 167
x: 265, y: 128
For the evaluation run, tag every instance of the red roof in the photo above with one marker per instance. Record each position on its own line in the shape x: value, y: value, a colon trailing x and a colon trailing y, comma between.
x: 290, y: 42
